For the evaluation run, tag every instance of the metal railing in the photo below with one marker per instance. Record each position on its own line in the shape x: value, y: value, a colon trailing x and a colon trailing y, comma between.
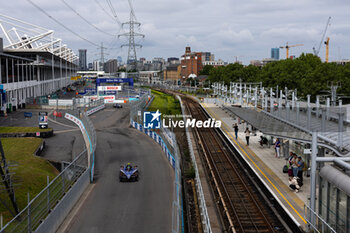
x: 42, y: 204
x: 137, y: 107
x: 320, y: 226
x: 73, y: 103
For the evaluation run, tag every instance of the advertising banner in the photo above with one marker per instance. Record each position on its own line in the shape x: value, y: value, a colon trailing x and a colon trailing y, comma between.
x: 109, y: 88
x: 109, y: 99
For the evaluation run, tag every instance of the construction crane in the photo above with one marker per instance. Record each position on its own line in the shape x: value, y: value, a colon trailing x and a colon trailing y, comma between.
x: 322, y: 39
x: 289, y: 46
x: 327, y: 48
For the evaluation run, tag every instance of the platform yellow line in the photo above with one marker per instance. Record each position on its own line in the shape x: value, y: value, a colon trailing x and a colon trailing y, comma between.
x: 229, y: 135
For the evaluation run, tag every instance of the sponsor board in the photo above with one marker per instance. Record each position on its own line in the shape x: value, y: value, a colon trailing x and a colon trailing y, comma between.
x: 109, y: 88
x: 76, y: 121
x: 93, y: 110
x: 92, y: 97
x: 109, y: 99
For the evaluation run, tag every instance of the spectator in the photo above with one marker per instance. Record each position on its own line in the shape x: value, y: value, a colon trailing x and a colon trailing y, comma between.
x: 235, y: 127
x: 290, y: 159
x: 295, y: 165
x: 294, y: 183
x: 263, y: 140
x: 300, y: 164
x: 277, y: 148
x: 247, y: 135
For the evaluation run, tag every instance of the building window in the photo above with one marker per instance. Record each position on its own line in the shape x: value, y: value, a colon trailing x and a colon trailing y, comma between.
x: 3, y: 70
x: 10, y: 70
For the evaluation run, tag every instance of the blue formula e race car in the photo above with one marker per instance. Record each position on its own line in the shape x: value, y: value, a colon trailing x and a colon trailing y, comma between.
x: 128, y: 173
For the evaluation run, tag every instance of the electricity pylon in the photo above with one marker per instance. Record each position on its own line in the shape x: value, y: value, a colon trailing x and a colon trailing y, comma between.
x: 131, y: 34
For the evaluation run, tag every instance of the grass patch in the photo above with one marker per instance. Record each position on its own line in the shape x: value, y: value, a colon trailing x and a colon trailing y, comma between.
x: 30, y: 173
x: 190, y: 172
x: 167, y: 104
x: 4, y: 129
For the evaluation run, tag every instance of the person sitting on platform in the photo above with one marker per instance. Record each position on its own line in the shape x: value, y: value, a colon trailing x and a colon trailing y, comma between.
x: 295, y: 183
x: 263, y: 141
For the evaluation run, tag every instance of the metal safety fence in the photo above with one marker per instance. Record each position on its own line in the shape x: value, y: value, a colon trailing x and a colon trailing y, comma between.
x: 85, y: 103
x: 167, y: 140
x: 43, y: 204
x: 320, y: 225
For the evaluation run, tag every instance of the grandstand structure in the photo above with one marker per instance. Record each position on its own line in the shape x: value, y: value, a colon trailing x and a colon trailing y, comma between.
x: 33, y: 62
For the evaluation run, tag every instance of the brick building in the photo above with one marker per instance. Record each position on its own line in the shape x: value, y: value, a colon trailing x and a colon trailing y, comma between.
x: 191, y: 63
x: 172, y: 73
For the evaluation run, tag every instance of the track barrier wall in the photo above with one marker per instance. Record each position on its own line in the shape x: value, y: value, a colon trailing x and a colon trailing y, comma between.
x: 167, y: 140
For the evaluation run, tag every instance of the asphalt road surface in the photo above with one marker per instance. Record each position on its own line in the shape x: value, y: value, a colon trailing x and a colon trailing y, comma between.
x: 66, y: 143
x: 143, y: 206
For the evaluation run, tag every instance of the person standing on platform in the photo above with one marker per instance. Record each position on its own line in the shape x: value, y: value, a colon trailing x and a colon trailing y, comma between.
x: 295, y: 165
x: 235, y: 127
x: 290, y: 159
x: 247, y: 135
x: 300, y: 164
x: 277, y: 148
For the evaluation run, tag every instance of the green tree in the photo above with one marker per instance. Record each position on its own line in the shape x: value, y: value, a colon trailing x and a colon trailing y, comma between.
x: 206, y: 70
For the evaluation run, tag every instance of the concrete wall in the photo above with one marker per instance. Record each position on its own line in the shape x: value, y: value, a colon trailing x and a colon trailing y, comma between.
x: 61, y: 210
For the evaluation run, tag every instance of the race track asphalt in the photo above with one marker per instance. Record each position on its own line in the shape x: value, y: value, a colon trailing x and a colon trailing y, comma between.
x: 111, y: 206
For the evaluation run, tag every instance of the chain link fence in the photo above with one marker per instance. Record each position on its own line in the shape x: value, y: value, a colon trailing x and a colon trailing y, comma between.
x: 41, y: 206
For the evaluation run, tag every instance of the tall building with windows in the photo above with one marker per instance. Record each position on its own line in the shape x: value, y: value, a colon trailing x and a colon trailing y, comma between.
x: 191, y: 64
x: 82, y: 60
x: 275, y: 53
x: 207, y: 56
x: 111, y: 66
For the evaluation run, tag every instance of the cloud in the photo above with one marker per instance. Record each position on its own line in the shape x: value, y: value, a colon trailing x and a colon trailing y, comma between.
x: 293, y: 34
x: 226, y: 28
x: 231, y: 37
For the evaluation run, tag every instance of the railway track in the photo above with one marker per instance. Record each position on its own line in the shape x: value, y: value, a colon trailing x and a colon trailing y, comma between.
x: 242, y: 203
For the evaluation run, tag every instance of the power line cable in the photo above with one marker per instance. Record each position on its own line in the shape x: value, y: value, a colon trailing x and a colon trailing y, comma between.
x: 114, y: 13
x: 88, y: 22
x: 132, y: 9
x: 104, y: 10
x: 58, y: 22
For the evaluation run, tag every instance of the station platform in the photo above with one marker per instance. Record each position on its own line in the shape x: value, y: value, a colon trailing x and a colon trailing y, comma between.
x: 265, y: 164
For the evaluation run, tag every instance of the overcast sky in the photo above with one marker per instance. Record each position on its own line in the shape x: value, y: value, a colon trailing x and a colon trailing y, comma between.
x: 247, y: 29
